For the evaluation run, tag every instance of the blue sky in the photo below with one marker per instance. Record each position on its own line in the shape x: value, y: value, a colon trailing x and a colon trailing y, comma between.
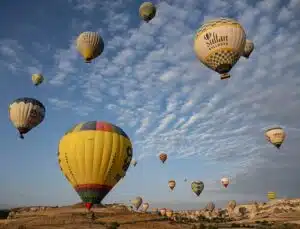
x: 149, y: 82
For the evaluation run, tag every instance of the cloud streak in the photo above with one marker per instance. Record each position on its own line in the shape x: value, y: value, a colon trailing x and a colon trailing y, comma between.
x: 149, y: 78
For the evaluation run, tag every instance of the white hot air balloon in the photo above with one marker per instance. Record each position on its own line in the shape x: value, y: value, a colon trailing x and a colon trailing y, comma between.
x: 275, y: 136
x: 249, y: 47
x: 145, y: 207
x: 219, y: 44
x: 225, y: 181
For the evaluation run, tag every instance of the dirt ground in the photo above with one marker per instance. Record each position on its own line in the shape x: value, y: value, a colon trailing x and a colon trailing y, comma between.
x: 68, y: 218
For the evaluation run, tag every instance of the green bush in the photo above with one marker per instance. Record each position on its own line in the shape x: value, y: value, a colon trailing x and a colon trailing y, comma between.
x: 212, y: 227
x: 113, y: 225
x: 201, y: 226
x: 4, y: 214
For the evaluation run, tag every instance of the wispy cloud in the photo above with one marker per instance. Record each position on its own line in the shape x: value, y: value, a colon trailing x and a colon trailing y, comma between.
x: 148, y: 76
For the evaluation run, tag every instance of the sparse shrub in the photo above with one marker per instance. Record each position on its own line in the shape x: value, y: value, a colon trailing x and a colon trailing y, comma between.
x: 113, y: 225
x: 21, y: 227
x: 286, y: 226
x: 201, y: 226
x: 277, y: 210
x: 194, y: 226
x: 235, y: 225
x: 212, y: 227
x: 257, y: 222
x: 264, y: 222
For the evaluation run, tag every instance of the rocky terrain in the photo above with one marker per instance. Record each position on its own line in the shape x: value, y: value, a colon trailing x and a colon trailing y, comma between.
x: 283, y: 213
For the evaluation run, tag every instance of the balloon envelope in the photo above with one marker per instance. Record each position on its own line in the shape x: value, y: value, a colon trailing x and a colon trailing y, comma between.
x: 94, y: 156
x: 210, y: 206
x: 172, y: 184
x: 197, y: 187
x: 231, y: 204
x: 275, y: 136
x: 90, y: 45
x: 137, y: 202
x: 271, y: 195
x: 147, y: 11
x: 169, y: 213
x: 219, y: 44
x: 145, y: 207
x: 26, y: 113
x: 249, y: 47
x: 163, y: 157
x: 225, y: 181
x: 163, y: 211
x: 37, y: 79
x: 134, y: 163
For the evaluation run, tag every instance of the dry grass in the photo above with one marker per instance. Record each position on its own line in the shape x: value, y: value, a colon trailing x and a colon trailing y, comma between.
x: 109, y: 217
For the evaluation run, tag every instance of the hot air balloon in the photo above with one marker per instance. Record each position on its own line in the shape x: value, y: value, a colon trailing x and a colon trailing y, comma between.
x: 90, y: 45
x: 210, y: 206
x: 155, y: 211
x: 145, y: 207
x: 134, y: 163
x: 249, y: 47
x: 163, y: 211
x: 137, y: 202
x: 94, y: 156
x: 225, y: 182
x: 231, y: 204
x: 169, y: 213
x: 219, y: 44
x: 25, y: 114
x: 147, y: 11
x: 197, y: 187
x: 163, y: 157
x: 271, y: 195
x: 172, y: 184
x: 185, y: 180
x: 275, y: 136
x: 37, y: 79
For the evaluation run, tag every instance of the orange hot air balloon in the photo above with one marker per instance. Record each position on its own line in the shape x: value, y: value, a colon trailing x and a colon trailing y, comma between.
x: 172, y: 184
x: 225, y: 181
x: 163, y: 157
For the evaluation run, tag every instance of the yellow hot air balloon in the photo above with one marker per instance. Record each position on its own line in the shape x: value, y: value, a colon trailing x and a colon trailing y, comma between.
x: 90, y: 45
x: 147, y: 11
x: 249, y: 47
x: 172, y: 184
x: 25, y: 114
x: 94, y: 156
x: 169, y: 213
x: 137, y: 202
x: 219, y: 44
x: 37, y: 79
x: 275, y: 136
x: 271, y: 195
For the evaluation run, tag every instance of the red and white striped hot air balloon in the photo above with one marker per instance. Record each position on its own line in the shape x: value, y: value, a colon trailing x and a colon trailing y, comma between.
x: 225, y: 181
